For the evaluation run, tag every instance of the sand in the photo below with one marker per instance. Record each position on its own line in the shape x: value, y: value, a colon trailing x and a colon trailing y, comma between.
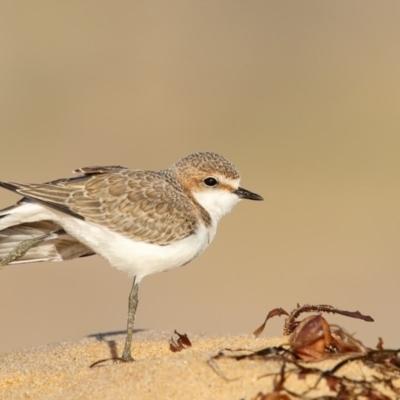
x: 62, y: 371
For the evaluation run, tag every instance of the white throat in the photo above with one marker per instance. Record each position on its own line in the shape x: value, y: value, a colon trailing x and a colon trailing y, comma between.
x: 216, y: 202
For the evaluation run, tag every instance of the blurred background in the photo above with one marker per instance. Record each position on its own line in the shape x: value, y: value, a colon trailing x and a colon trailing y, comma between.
x: 302, y: 96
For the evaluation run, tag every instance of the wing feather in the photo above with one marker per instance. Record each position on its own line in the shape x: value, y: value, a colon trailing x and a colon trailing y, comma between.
x: 143, y: 205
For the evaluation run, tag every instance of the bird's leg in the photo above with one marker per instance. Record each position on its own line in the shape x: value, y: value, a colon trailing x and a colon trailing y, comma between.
x: 20, y: 250
x: 132, y: 305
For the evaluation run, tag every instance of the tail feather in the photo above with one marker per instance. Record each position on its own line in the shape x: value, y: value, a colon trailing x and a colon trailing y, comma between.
x: 17, y: 224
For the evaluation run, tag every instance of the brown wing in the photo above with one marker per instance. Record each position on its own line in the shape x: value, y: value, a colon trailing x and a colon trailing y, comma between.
x: 141, y: 205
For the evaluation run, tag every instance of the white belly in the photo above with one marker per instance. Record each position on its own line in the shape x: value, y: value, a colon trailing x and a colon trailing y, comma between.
x: 136, y: 258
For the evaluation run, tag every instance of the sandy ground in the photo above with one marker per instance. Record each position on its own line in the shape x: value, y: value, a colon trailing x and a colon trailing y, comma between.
x: 62, y: 371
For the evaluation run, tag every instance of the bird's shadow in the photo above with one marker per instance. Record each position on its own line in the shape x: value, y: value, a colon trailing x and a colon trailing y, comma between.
x: 107, y: 337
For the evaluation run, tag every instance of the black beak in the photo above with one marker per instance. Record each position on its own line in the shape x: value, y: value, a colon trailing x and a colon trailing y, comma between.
x: 246, y: 194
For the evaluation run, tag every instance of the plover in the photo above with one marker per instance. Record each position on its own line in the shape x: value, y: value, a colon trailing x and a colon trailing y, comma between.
x: 141, y: 222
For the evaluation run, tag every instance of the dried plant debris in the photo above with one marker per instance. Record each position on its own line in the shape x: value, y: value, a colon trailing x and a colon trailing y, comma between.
x: 276, y: 312
x: 349, y: 369
x: 291, y: 323
x: 183, y: 342
x: 272, y: 396
x: 313, y: 337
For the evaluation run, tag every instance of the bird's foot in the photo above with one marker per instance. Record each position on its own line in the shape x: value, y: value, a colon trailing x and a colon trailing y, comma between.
x: 126, y: 357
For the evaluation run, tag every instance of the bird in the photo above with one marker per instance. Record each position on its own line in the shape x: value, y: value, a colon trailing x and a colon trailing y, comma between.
x: 140, y: 221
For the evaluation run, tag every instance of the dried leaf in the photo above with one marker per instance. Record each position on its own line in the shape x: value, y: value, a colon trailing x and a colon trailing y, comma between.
x: 273, y: 313
x: 183, y: 342
x: 311, y: 337
x: 333, y: 382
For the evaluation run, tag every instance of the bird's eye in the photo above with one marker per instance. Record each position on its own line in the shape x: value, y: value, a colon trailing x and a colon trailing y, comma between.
x: 210, y: 181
